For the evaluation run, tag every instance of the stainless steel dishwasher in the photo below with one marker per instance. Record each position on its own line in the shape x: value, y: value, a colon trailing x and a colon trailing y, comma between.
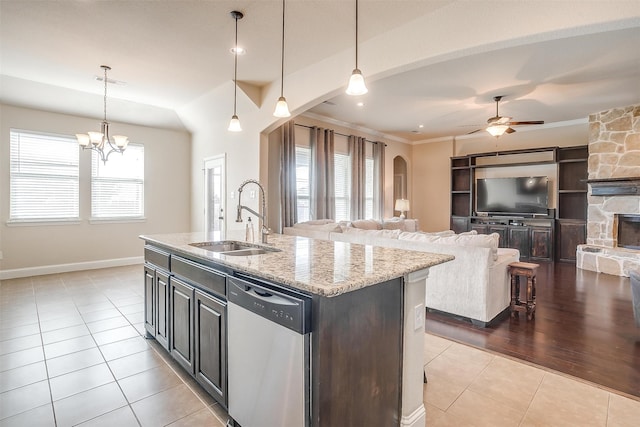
x: 269, y: 331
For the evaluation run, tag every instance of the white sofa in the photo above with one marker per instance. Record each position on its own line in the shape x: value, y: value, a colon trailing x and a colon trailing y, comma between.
x: 475, y: 285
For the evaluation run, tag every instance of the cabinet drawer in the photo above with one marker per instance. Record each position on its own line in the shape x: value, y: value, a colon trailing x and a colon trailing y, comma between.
x: 205, y: 277
x: 157, y: 257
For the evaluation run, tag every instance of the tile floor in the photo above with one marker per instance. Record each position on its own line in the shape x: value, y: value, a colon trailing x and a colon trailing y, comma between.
x: 72, y: 352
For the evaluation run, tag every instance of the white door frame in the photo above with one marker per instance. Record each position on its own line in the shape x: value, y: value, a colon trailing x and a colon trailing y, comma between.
x: 209, y: 163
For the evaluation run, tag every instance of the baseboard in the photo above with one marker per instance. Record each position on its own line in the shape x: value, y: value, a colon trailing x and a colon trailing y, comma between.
x: 65, y: 268
x: 478, y: 323
x: 415, y: 419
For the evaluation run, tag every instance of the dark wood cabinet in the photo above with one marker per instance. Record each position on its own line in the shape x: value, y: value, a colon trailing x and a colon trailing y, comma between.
x: 503, y: 232
x: 162, y: 308
x: 519, y: 239
x: 459, y: 224
x: 149, y: 300
x: 210, y: 345
x: 181, y: 302
x: 571, y: 233
x: 572, y: 201
x: 541, y: 243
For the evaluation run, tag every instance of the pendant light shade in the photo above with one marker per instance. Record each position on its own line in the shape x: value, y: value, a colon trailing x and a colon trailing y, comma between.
x: 282, y: 109
x: 234, y: 124
x: 356, y: 81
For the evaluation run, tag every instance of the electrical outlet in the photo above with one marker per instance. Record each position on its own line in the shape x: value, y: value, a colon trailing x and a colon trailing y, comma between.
x: 232, y: 194
x: 418, y: 317
x: 252, y: 194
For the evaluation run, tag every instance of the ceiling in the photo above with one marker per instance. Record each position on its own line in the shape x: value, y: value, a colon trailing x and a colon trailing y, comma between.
x: 171, y: 52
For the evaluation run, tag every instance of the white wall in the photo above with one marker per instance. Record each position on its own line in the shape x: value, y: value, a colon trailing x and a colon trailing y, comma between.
x: 167, y: 198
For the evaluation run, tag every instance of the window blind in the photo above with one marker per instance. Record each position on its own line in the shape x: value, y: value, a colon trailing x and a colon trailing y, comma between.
x: 303, y: 158
x: 342, y: 186
x: 117, y: 186
x: 44, y: 177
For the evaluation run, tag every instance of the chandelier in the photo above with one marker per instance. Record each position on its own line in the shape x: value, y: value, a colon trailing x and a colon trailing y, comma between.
x: 100, y: 141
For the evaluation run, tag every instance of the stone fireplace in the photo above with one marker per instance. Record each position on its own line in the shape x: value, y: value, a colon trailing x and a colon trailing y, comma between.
x: 613, y: 216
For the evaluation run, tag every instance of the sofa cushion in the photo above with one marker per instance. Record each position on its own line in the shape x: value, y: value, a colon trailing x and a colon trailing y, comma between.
x: 314, y: 222
x: 481, y: 240
x: 367, y: 224
x: 394, y: 224
x: 387, y: 234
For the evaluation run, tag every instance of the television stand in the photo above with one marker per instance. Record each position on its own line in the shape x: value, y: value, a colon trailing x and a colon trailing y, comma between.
x: 533, y: 237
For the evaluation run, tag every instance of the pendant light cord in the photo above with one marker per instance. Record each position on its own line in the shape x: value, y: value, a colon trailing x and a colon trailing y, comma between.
x: 356, y: 34
x: 235, y: 70
x: 282, y: 55
x: 105, y: 93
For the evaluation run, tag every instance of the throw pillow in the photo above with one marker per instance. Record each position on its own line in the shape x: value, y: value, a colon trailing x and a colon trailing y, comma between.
x: 387, y: 234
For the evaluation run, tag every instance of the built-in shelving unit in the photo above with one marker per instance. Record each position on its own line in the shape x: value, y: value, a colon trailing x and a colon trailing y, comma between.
x: 554, y: 236
x: 572, y: 200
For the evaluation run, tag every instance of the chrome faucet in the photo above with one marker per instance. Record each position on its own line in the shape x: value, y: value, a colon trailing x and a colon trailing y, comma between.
x: 264, y: 230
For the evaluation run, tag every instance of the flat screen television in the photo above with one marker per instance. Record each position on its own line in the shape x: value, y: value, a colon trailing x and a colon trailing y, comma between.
x: 511, y: 196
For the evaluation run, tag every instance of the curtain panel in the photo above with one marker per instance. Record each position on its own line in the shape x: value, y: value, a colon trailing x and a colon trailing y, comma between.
x: 358, y: 157
x: 288, y: 199
x: 322, y: 203
x: 378, y: 179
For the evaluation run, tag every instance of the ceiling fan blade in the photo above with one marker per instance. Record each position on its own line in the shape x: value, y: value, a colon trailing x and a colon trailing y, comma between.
x: 474, y: 131
x: 510, y: 130
x: 534, y: 122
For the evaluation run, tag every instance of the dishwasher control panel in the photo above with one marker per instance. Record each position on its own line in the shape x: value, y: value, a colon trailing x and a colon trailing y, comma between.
x: 271, y: 302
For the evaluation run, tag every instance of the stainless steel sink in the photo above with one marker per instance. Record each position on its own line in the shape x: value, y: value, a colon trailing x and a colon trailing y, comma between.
x: 224, y: 246
x: 234, y: 248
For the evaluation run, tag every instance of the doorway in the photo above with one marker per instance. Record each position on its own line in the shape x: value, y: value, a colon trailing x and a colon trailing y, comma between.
x: 215, y: 196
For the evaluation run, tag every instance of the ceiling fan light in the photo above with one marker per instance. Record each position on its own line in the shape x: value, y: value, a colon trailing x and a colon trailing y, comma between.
x: 234, y: 124
x: 497, y: 130
x: 282, y: 109
x: 356, y: 84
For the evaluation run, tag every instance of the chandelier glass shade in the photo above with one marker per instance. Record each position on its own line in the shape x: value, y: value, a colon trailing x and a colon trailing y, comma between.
x: 282, y: 109
x: 356, y: 81
x: 234, y: 124
x: 101, y: 142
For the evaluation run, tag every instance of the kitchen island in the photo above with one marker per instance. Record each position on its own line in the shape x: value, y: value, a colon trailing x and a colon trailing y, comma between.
x: 366, y: 332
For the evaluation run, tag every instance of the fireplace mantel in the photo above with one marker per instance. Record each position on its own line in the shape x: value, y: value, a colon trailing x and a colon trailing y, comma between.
x: 615, y: 186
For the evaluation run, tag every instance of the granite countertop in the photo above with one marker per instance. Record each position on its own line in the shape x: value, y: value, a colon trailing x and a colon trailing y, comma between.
x: 320, y: 267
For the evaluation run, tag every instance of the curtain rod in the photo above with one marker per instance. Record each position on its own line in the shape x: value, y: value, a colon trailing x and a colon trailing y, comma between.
x: 341, y: 134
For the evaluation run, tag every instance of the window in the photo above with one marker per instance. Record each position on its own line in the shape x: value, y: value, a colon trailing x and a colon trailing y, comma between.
x: 44, y: 177
x: 117, y: 186
x: 342, y: 164
x: 303, y: 157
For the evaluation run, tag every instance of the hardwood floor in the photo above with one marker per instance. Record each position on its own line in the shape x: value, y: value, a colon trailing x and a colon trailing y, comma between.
x: 583, y: 327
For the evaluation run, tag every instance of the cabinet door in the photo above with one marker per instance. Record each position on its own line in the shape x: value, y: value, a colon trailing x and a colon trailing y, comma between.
x: 570, y: 235
x: 181, y: 315
x: 502, y: 230
x: 210, y: 339
x: 149, y: 300
x: 162, y: 308
x: 541, y: 244
x: 480, y: 228
x: 519, y: 239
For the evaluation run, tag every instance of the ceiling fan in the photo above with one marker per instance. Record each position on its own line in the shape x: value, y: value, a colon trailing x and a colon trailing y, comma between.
x: 499, y: 125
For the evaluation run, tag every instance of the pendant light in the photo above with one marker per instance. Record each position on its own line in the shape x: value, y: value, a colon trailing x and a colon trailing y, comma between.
x: 101, y: 141
x: 234, y: 124
x: 282, y: 109
x: 356, y: 81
